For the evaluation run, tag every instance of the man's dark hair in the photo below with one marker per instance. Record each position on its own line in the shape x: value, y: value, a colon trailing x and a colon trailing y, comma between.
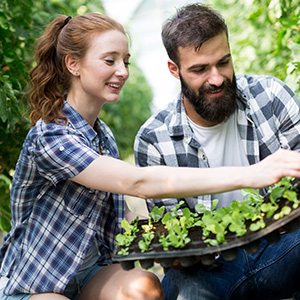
x: 191, y: 26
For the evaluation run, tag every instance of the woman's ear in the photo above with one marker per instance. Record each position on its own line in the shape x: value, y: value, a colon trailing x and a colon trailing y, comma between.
x: 173, y: 68
x: 72, y: 65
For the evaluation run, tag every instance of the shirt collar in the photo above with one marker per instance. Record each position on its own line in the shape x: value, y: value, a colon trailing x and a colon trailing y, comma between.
x: 76, y: 121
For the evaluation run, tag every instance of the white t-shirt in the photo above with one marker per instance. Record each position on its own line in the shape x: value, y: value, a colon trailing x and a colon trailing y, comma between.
x: 223, y: 147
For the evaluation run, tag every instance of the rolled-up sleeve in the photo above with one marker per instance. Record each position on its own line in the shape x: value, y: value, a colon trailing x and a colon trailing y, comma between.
x: 60, y: 155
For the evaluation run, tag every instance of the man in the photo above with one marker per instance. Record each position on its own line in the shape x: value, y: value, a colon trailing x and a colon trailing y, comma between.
x: 220, y: 119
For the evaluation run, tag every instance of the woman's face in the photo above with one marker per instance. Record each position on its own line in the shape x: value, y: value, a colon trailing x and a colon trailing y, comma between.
x: 104, y: 69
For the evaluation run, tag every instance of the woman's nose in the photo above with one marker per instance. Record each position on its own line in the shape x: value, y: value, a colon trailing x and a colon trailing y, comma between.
x: 122, y: 71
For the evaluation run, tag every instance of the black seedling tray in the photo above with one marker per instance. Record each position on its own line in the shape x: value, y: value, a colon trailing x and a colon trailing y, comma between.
x: 207, y: 253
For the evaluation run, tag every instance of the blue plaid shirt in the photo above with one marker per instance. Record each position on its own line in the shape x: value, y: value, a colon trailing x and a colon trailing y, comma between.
x: 55, y: 220
x: 268, y: 119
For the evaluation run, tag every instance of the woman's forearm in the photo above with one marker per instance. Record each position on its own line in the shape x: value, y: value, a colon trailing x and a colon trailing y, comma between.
x: 116, y: 176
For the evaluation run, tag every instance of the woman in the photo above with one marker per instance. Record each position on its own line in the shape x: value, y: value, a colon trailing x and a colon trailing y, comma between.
x: 65, y: 198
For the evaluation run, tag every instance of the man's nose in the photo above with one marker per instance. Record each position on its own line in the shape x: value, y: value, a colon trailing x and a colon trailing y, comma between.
x: 215, y: 77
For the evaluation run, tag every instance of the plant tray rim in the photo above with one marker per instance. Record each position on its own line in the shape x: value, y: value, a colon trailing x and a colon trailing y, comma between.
x: 208, y: 249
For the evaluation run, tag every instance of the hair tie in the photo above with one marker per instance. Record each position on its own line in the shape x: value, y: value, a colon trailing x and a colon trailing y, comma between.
x: 66, y: 22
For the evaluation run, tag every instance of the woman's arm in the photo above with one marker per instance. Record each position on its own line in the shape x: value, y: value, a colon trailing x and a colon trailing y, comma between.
x: 116, y: 176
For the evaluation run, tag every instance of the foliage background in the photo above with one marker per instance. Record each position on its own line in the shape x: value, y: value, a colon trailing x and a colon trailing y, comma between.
x: 264, y: 37
x: 21, y: 22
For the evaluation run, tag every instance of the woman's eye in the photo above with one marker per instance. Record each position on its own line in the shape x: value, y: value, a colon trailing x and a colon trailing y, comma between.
x: 126, y: 63
x: 109, y: 61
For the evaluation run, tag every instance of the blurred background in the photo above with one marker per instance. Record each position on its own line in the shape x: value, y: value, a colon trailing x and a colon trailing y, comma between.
x: 144, y: 19
x: 264, y: 37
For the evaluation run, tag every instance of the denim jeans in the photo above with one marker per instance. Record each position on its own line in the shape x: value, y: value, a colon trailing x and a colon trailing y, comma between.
x: 273, y: 272
x: 72, y: 290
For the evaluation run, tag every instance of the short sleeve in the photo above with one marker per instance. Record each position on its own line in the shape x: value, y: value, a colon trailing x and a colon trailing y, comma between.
x: 62, y: 154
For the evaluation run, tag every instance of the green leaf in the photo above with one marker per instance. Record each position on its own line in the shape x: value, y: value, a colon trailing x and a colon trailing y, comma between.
x: 212, y: 242
x: 214, y: 204
x: 286, y: 210
x: 200, y: 208
x: 290, y: 195
x: 254, y: 227
x: 126, y: 226
x: 157, y: 213
x: 3, y: 106
x: 167, y: 217
x: 276, y: 193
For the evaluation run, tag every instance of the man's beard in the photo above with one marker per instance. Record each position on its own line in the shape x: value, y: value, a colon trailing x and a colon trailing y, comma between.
x: 212, y: 109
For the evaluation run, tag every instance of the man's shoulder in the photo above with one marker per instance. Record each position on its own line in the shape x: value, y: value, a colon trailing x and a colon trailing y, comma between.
x: 253, y: 86
x: 245, y: 81
x: 258, y: 82
x: 158, y: 121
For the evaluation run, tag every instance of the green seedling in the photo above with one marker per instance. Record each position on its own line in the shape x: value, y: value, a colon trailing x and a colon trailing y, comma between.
x: 148, y: 236
x: 189, y: 219
x: 276, y: 193
x: 178, y: 237
x: 126, y: 239
x: 286, y: 210
x: 130, y: 228
x: 165, y: 242
x: 157, y: 213
x: 237, y: 224
x: 269, y: 209
x: 124, y: 251
x: 178, y: 232
x: 259, y: 224
x: 144, y: 245
x: 291, y: 196
x: 215, y: 223
x: 287, y: 182
x: 167, y: 217
x: 252, y: 197
x: 148, y: 227
x: 212, y: 225
x: 176, y: 208
x: 178, y: 240
x: 200, y: 208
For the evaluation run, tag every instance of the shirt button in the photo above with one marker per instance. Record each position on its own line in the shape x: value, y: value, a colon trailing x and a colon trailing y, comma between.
x: 61, y: 148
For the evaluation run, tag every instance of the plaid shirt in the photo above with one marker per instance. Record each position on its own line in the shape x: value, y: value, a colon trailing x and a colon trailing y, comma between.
x: 54, y: 220
x: 268, y: 119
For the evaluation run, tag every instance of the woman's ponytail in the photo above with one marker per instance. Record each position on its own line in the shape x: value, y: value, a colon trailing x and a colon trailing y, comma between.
x: 48, y: 87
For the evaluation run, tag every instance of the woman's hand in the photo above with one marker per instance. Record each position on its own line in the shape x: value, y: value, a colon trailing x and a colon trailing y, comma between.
x: 275, y: 166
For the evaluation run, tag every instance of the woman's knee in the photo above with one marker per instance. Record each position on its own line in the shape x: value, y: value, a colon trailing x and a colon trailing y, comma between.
x: 145, y: 286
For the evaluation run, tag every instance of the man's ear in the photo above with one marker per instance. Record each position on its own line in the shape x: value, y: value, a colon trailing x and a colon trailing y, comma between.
x: 72, y: 65
x: 173, y: 68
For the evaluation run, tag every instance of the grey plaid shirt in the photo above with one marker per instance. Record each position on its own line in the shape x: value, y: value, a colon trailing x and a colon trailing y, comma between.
x: 268, y: 119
